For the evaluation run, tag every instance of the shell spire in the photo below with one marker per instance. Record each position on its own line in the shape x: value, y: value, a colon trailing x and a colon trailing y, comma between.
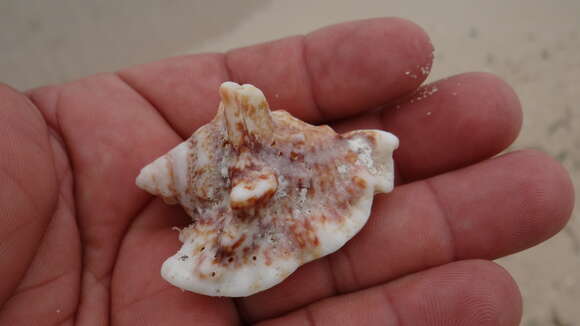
x: 247, y: 115
x: 249, y: 126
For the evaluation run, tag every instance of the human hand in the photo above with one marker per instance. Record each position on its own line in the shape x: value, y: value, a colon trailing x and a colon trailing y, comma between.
x: 81, y: 244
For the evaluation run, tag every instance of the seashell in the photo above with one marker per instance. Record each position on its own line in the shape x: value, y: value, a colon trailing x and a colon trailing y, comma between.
x: 267, y: 193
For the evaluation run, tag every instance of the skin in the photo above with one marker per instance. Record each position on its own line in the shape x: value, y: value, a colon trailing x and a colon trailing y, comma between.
x: 81, y: 244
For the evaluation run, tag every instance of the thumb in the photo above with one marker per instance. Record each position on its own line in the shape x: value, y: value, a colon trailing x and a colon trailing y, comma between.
x: 28, y: 186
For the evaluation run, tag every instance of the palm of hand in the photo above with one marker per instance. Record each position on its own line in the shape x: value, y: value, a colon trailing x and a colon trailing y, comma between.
x: 81, y: 244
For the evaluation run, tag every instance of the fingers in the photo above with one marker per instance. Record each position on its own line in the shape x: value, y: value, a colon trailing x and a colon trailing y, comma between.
x: 28, y: 186
x: 333, y: 72
x: 339, y: 70
x: 487, y: 210
x: 461, y: 293
x: 534, y: 201
x: 448, y: 124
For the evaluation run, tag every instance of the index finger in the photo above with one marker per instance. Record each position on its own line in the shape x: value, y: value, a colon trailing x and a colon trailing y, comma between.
x: 328, y: 74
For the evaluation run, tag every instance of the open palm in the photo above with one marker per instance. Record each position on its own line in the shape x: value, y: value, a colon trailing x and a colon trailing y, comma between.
x: 81, y: 244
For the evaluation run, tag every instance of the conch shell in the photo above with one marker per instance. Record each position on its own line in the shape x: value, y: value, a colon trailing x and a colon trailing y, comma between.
x: 267, y: 193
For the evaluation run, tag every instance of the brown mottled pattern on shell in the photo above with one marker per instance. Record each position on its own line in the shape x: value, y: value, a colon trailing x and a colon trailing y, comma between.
x: 261, y: 118
x: 317, y: 176
x: 287, y: 217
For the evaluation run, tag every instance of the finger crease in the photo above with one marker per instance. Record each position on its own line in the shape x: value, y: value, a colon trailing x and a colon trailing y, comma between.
x: 127, y: 305
x: 68, y: 319
x: 389, y: 302
x: 322, y: 114
x: 138, y: 213
x: 309, y: 316
x: 10, y: 178
x: 43, y: 283
x: 149, y: 102
x: 332, y: 277
x: 445, y: 216
x: 355, y: 283
x: 227, y: 67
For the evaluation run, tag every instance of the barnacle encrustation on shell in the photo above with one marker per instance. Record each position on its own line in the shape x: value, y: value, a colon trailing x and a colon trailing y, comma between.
x: 266, y: 192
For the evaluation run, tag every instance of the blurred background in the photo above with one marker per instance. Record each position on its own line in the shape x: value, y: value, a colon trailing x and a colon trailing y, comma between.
x: 533, y: 44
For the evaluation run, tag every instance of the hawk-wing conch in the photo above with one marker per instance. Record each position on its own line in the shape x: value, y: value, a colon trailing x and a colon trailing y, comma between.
x: 267, y: 193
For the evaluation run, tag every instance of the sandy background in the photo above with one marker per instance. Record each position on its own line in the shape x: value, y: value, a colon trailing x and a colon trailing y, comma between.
x: 533, y: 44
